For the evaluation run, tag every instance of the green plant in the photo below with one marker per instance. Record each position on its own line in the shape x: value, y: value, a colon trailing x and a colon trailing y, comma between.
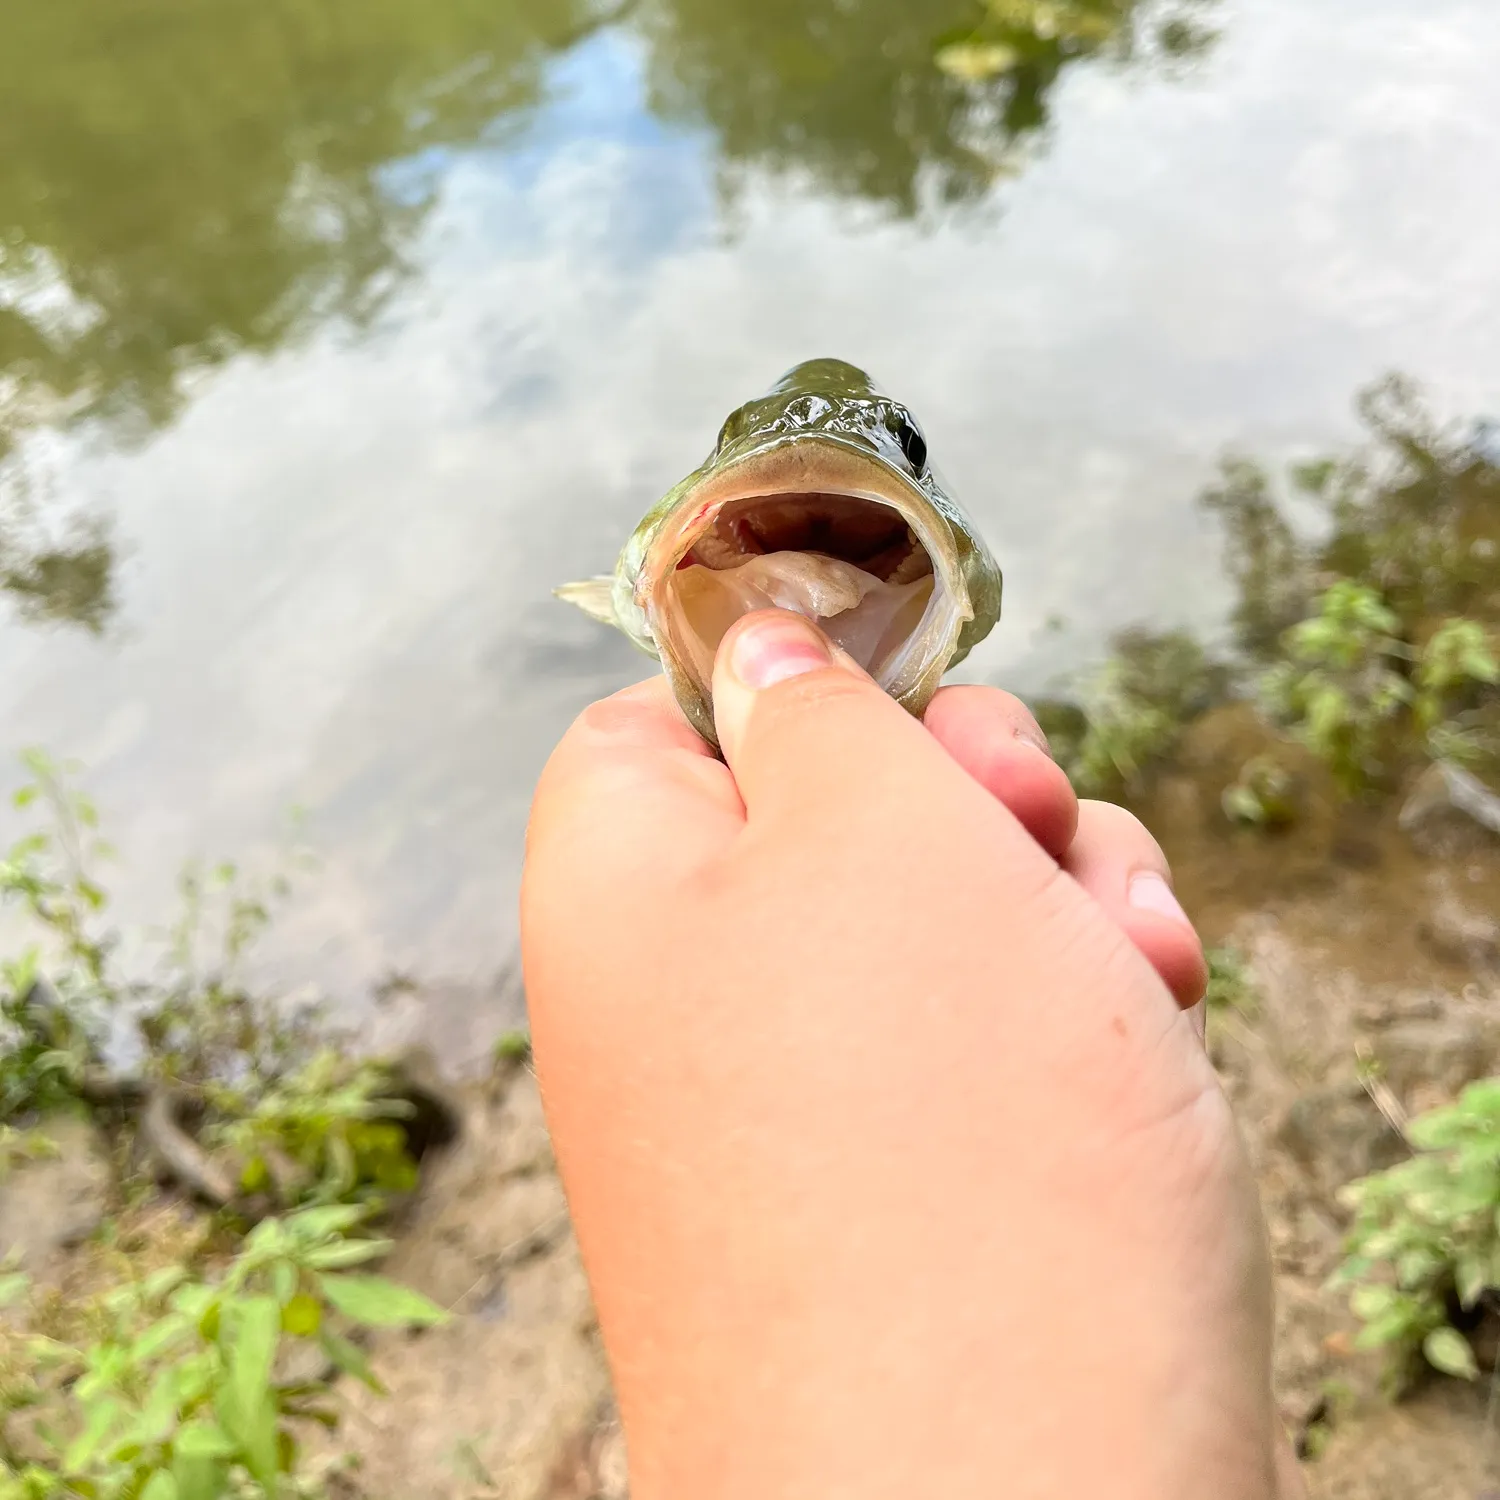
x: 1456, y: 660
x: 1339, y: 690
x: 1124, y: 735
x: 1413, y: 513
x: 179, y: 1393
x: 1264, y: 795
x: 513, y: 1047
x: 1230, y: 985
x: 50, y: 1031
x: 17, y: 1147
x: 1129, y: 713
x: 1016, y: 35
x: 304, y: 1122
x: 1425, y: 1243
x: 325, y: 1132
x: 1263, y: 557
x: 203, y: 1022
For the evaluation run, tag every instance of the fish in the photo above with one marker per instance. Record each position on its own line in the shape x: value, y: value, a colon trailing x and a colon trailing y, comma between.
x: 818, y: 497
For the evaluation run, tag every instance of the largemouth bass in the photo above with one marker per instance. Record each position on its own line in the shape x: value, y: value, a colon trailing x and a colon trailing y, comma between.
x: 818, y: 497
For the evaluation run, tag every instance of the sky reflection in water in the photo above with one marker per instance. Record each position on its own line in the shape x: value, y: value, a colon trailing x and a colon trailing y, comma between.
x: 334, y: 550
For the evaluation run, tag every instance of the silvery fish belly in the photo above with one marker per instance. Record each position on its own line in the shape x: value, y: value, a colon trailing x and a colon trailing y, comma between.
x: 818, y: 497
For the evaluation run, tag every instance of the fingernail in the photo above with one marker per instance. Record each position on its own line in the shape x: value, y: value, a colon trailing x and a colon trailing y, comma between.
x: 779, y: 646
x: 1149, y: 892
x: 1035, y: 739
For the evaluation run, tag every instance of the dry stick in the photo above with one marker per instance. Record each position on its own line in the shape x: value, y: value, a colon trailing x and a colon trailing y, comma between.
x: 537, y: 1242
x: 1387, y: 1103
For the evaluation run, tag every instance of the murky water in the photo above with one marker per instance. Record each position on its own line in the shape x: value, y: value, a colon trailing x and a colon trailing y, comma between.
x: 333, y: 335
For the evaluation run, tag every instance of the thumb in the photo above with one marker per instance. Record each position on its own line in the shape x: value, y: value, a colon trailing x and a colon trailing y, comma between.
x: 805, y: 730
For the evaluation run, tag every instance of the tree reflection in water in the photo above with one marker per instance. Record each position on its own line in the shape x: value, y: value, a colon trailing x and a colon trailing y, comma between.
x: 182, y: 184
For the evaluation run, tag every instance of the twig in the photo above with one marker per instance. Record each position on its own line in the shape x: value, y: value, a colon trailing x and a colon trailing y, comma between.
x: 537, y: 1242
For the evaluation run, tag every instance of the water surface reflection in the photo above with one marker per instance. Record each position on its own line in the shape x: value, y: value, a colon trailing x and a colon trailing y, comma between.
x: 406, y: 312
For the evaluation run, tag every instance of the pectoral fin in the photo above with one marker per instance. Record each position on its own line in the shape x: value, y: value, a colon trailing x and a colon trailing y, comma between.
x: 594, y: 596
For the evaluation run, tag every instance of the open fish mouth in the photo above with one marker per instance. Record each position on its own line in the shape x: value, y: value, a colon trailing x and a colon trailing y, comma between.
x: 818, y: 498
x: 865, y: 563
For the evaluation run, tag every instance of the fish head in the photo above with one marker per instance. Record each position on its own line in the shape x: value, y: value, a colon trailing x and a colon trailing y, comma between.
x: 819, y: 497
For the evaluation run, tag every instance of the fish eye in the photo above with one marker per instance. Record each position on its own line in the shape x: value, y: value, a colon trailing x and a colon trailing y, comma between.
x: 913, y: 445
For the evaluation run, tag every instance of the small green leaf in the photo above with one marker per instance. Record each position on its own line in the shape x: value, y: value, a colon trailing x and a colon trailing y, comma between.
x: 1399, y: 1326
x: 1471, y: 1278
x: 513, y: 1046
x: 25, y: 796
x: 378, y: 1303
x: 245, y: 1402
x: 345, y: 1253
x: 210, y: 1319
x: 198, y: 1459
x: 1449, y: 1351
x: 284, y: 1281
x: 203, y: 1440
x: 101, y: 1421
x: 257, y: 1325
x: 974, y: 62
x: 319, y: 1223
x: 164, y: 1282
x: 161, y: 1486
x: 162, y: 1333
x: 1370, y: 1302
x: 302, y: 1316
x: 198, y: 1477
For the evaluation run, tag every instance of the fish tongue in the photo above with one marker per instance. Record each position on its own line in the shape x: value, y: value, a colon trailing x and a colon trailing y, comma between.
x: 855, y: 609
x: 810, y: 583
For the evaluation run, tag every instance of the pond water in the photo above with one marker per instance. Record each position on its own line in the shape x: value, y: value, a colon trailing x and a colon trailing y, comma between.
x: 333, y: 334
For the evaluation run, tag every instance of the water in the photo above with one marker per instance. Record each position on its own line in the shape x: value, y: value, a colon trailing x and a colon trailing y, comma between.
x: 333, y: 335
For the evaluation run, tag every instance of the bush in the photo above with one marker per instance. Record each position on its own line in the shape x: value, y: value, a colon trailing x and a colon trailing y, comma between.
x: 1129, y: 713
x: 325, y: 1133
x: 170, y: 1386
x: 1230, y: 986
x: 1360, y: 698
x: 1425, y: 1245
x: 1339, y: 690
x: 177, y: 1394
x: 304, y: 1122
x: 48, y: 1036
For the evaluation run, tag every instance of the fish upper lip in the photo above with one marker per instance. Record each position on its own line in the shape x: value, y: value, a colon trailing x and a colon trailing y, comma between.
x: 721, y: 465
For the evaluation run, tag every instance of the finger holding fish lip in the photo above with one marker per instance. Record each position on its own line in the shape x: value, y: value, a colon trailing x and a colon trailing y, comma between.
x: 994, y: 737
x: 632, y: 760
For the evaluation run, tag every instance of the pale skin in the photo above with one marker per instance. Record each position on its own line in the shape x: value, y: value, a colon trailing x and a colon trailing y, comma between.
x: 875, y: 1072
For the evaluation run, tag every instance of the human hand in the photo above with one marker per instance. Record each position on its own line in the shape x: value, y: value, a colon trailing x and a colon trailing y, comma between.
x: 895, y: 1166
